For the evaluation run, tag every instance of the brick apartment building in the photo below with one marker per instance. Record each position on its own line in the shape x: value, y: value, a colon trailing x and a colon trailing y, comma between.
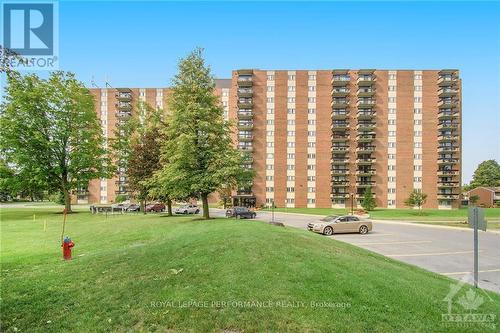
x: 320, y: 138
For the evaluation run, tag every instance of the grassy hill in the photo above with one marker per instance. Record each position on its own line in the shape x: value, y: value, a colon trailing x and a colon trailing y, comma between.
x: 156, y: 273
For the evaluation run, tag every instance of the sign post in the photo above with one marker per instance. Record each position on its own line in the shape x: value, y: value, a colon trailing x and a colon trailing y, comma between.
x: 476, y: 220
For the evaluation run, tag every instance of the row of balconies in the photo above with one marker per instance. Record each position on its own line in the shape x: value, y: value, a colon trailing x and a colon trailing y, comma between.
x: 245, y: 92
x: 124, y: 96
x: 245, y: 114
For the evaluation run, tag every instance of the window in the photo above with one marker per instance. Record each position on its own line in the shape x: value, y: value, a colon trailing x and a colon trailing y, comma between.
x: 290, y: 166
x: 270, y: 99
x: 391, y: 202
x: 311, y: 201
x: 417, y: 76
x: 391, y: 167
x: 392, y: 88
x: 290, y: 133
x: 270, y: 88
x: 270, y: 166
x: 392, y: 121
x: 311, y: 122
x: 311, y: 133
x: 312, y: 77
x: 417, y: 156
x: 392, y: 144
x: 269, y: 133
x: 311, y: 155
x: 417, y: 167
x: 270, y: 144
x: 269, y: 189
x: 392, y: 99
x: 291, y: 99
x: 311, y: 189
x: 290, y: 178
x: 290, y: 121
x: 270, y: 111
x: 417, y: 133
x: 417, y: 122
x: 270, y: 78
x: 290, y: 200
x: 311, y: 99
x: 391, y: 190
x: 311, y: 178
x: 311, y: 111
x: 270, y: 178
x: 417, y: 99
x: 392, y: 76
x: 392, y: 111
x: 311, y: 167
x: 391, y: 156
x: 291, y: 111
x: 418, y: 88
x: 291, y: 77
x: 290, y: 144
x: 311, y: 144
x: 270, y: 156
x: 417, y: 144
x: 270, y: 121
x: 391, y: 179
x: 417, y: 179
x: 290, y: 156
x: 417, y: 111
x: 290, y: 189
x: 312, y: 88
x: 291, y: 88
x: 392, y: 133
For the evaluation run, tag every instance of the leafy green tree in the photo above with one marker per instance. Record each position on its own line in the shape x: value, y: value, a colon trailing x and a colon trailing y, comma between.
x: 487, y: 174
x: 201, y: 155
x: 7, y: 179
x: 368, y: 202
x: 49, y: 128
x: 416, y: 199
x: 473, y: 199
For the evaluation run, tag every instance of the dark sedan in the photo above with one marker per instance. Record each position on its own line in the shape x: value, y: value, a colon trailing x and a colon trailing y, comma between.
x: 158, y: 207
x: 240, y: 212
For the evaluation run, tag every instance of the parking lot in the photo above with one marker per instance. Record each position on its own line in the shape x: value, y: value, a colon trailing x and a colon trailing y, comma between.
x: 440, y: 249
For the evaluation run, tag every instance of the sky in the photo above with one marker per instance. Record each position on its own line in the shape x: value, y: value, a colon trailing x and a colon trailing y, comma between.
x: 138, y: 44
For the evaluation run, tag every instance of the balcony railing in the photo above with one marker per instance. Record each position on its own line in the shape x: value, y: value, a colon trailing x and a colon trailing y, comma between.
x: 365, y: 172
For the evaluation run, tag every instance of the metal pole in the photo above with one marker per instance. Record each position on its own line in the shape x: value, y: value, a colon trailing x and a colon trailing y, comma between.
x: 352, y: 204
x: 476, y: 217
x: 272, y: 210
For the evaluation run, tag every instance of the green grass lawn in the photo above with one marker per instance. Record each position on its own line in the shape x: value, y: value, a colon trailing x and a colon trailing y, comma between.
x: 126, y: 276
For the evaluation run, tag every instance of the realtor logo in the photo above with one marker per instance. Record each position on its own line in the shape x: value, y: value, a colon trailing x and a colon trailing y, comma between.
x: 30, y: 30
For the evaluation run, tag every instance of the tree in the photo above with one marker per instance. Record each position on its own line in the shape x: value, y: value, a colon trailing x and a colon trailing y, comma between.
x: 7, y: 179
x: 368, y: 202
x: 49, y: 128
x: 473, y: 199
x: 487, y: 174
x: 201, y: 154
x: 416, y: 199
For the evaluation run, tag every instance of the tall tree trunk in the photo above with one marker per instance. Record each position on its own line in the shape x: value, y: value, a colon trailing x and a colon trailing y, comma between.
x: 67, y: 200
x: 204, y: 200
x: 169, y: 207
x: 143, y: 203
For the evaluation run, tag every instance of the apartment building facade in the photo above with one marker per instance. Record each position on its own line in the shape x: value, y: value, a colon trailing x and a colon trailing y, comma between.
x: 320, y: 138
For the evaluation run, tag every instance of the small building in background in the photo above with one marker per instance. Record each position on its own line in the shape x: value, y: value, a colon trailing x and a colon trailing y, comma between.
x: 488, y: 196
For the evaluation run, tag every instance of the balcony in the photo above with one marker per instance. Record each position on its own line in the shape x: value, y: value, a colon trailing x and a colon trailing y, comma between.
x: 340, y: 149
x: 123, y: 114
x: 124, y: 96
x: 341, y: 80
x: 336, y: 127
x: 448, y: 126
x: 245, y: 103
x: 245, y: 148
x: 365, y: 138
x: 447, y: 138
x: 340, y: 195
x: 448, y: 196
x: 366, y: 92
x: 361, y: 195
x: 365, y: 161
x: 340, y: 92
x: 448, y: 114
x: 337, y: 138
x: 365, y: 103
x: 447, y: 172
x: 445, y: 92
x: 340, y: 183
x: 340, y: 161
x: 365, y: 127
x: 366, y: 80
x: 245, y: 71
x: 365, y: 173
x: 245, y: 114
x: 245, y: 81
x: 447, y: 77
x: 124, y: 106
x: 365, y: 150
x: 340, y: 115
x: 448, y: 185
x: 366, y: 115
x: 340, y: 103
x: 245, y: 138
x: 340, y: 172
x: 449, y: 103
x: 243, y: 126
x: 245, y: 92
x: 448, y: 160
x: 364, y: 184
x: 448, y: 149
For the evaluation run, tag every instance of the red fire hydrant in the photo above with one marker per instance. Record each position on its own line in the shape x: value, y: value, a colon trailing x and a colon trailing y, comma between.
x: 67, y: 245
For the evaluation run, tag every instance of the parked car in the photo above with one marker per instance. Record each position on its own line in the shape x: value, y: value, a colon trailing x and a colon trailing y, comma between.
x: 157, y: 207
x: 240, y: 212
x: 133, y: 208
x: 119, y: 206
x: 187, y: 209
x: 340, y: 224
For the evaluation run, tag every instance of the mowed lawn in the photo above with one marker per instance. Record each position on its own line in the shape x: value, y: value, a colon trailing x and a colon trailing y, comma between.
x: 172, y: 274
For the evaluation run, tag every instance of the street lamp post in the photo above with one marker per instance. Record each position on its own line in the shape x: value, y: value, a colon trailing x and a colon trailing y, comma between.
x: 352, y: 203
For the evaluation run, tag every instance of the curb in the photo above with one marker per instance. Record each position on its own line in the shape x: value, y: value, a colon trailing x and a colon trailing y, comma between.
x: 429, y: 225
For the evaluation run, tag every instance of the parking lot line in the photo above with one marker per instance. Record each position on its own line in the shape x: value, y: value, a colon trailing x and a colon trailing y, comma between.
x: 428, y: 254
x: 462, y: 273
x: 391, y: 243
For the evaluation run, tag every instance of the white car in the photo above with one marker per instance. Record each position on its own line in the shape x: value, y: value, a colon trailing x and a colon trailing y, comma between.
x: 187, y: 209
